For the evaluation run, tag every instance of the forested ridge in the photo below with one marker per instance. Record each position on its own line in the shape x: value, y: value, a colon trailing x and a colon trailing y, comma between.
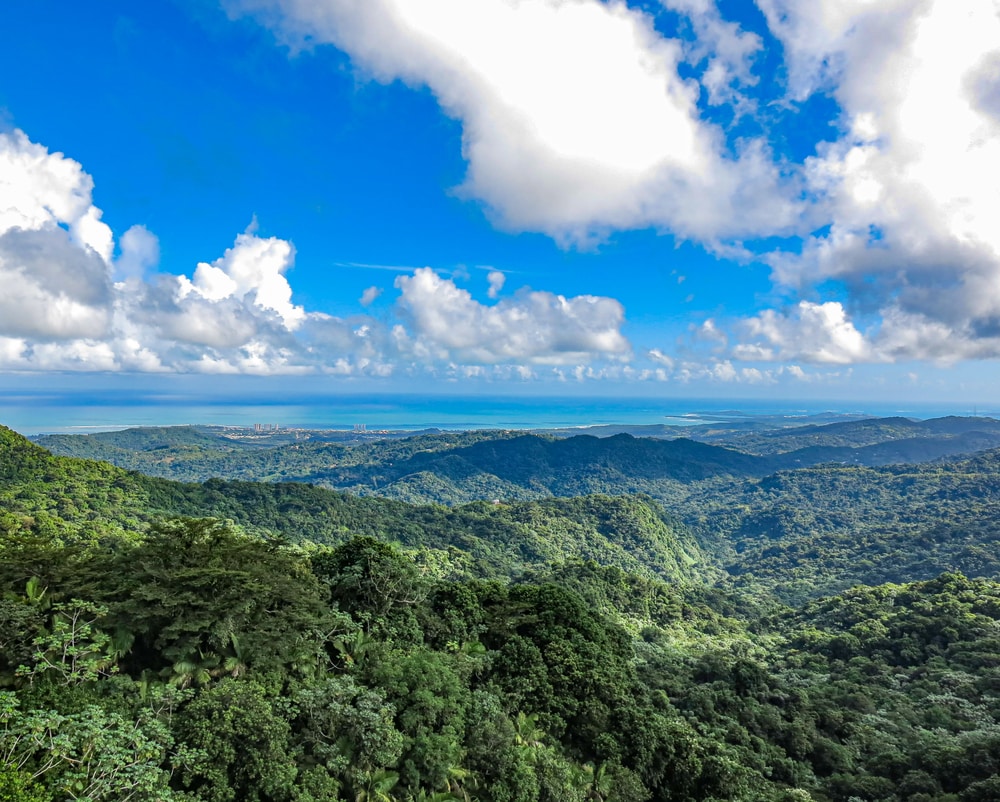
x: 457, y: 467
x: 228, y: 640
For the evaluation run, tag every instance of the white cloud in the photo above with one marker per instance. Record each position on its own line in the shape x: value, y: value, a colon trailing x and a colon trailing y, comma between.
x: 661, y: 358
x: 813, y: 333
x: 822, y: 39
x: 496, y: 280
x: 369, y: 295
x: 140, y: 253
x: 52, y: 288
x: 41, y: 190
x: 723, y: 371
x: 12, y: 353
x: 54, y: 251
x: 589, y: 128
x: 83, y: 355
x: 709, y: 332
x: 532, y: 326
x: 725, y: 50
x: 911, y: 187
x: 253, y: 271
x: 60, y: 309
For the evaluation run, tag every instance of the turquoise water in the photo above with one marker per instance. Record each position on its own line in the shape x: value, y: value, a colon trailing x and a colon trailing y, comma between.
x: 50, y: 413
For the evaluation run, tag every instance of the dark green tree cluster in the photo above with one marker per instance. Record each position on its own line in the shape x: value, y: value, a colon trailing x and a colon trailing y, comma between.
x: 196, y: 662
x: 306, y: 646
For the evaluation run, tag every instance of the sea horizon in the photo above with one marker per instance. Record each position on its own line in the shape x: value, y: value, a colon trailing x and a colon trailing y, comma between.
x: 52, y: 413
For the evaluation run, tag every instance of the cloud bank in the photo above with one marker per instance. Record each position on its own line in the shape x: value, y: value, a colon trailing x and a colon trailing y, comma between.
x: 69, y: 304
x: 575, y: 121
x: 883, y: 244
x: 909, y: 191
x: 532, y: 327
x: 591, y: 129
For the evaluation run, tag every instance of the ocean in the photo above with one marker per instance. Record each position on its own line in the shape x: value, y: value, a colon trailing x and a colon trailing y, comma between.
x: 55, y: 413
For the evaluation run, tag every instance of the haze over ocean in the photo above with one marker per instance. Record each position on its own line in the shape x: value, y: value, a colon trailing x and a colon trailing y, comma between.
x: 39, y: 414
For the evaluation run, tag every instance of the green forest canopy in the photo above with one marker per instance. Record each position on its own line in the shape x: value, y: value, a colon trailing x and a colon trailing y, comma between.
x: 264, y: 642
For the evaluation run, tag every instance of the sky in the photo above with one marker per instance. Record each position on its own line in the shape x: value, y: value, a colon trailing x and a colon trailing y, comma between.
x: 778, y: 198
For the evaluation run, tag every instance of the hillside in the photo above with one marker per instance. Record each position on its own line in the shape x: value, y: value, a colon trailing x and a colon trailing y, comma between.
x: 820, y: 530
x: 85, y: 501
x: 796, y: 533
x: 940, y: 436
x: 447, y: 468
x: 458, y: 467
x: 189, y: 661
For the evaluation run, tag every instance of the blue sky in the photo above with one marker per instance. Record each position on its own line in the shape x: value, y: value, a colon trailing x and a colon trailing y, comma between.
x: 774, y: 198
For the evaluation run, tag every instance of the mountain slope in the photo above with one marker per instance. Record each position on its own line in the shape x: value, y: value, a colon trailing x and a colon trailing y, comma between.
x: 458, y: 467
x: 85, y: 500
x: 822, y: 529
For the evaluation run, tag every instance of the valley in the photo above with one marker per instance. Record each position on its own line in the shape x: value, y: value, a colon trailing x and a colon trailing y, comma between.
x: 790, y: 613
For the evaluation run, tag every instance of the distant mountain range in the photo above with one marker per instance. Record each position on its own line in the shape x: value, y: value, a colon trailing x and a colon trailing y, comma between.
x: 458, y: 467
x: 817, y: 509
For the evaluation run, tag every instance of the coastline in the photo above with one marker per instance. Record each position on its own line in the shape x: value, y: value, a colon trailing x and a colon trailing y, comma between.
x: 54, y: 414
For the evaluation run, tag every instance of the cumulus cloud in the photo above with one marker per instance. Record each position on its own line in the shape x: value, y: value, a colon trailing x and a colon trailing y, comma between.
x: 496, y: 280
x: 42, y: 191
x: 588, y: 129
x: 813, y: 333
x: 723, y: 371
x: 251, y: 271
x: 54, y: 251
x: 52, y: 288
x: 910, y: 188
x: 140, y: 253
x: 369, y: 295
x: 591, y: 129
x: 63, y: 309
x: 531, y: 326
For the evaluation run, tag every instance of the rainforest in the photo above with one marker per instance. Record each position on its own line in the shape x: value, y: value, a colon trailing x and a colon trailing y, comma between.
x: 767, y: 614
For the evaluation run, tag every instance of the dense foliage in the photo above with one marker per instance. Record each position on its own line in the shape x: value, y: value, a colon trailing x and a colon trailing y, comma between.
x: 820, y: 530
x: 797, y: 533
x: 230, y: 641
x: 199, y: 663
x: 457, y: 467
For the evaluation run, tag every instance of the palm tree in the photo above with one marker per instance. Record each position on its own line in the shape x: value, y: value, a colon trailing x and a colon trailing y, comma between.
x: 527, y: 733
x: 457, y: 780
x: 191, y: 670
x: 376, y: 787
x: 234, y: 663
x: 433, y: 796
x: 354, y: 647
x: 186, y: 672
x: 597, y: 782
x: 35, y: 593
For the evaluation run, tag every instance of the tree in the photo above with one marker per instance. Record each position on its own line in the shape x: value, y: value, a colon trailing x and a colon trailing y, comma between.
x: 375, y: 583
x: 90, y: 756
x: 345, y: 731
x: 235, y: 745
x: 199, y: 592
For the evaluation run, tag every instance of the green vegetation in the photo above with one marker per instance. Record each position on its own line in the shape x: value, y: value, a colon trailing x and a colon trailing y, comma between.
x: 820, y: 530
x: 85, y: 502
x: 230, y: 641
x: 457, y: 467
